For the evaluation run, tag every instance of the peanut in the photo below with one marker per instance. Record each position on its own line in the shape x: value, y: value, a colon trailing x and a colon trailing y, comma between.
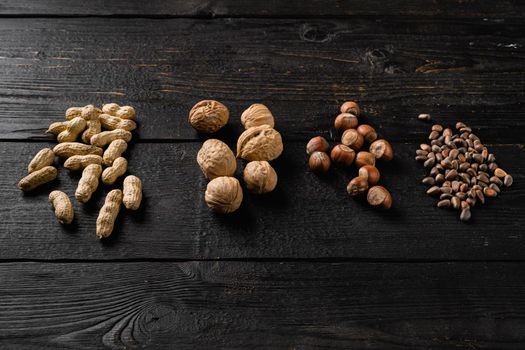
x: 111, y: 123
x: 90, y: 112
x: 88, y: 182
x: 87, y: 112
x: 105, y: 137
x: 57, y: 128
x: 73, y: 112
x: 43, y: 158
x: 110, y: 174
x: 68, y: 149
x: 108, y: 213
x: 74, y: 128
x: 132, y: 189
x: 114, y: 150
x: 93, y: 127
x: 37, y: 178
x: 124, y: 112
x: 63, y: 207
x: 80, y: 162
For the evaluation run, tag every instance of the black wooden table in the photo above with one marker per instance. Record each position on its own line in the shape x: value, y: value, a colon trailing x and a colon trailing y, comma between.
x: 305, y: 267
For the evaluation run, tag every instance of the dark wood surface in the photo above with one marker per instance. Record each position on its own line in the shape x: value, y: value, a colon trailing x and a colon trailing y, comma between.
x: 305, y: 267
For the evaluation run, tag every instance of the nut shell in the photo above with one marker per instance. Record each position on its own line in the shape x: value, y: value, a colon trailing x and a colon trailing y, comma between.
x: 260, y: 177
x: 256, y: 115
x: 42, y: 159
x: 224, y: 194
x: 358, y: 185
x: 343, y: 155
x: 63, y: 207
x: 382, y: 150
x: 368, y: 132
x: 345, y: 121
x: 216, y: 159
x: 352, y: 139
x: 208, y: 116
x: 365, y: 158
x: 260, y: 143
x: 317, y: 144
x: 378, y: 196
x: 350, y: 107
x: 370, y: 173
x: 319, y: 162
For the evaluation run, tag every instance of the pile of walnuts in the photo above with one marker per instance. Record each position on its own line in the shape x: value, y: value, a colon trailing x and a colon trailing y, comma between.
x: 258, y: 144
x: 354, y: 137
x: 85, y: 124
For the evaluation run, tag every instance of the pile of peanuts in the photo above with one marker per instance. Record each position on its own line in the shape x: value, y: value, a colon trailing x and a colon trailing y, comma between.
x: 344, y: 154
x: 81, y: 144
x: 259, y: 144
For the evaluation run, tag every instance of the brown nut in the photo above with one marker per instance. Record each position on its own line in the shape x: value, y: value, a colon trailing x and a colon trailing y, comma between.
x: 343, y: 155
x: 259, y: 143
x: 223, y: 194
x: 365, y: 158
x: 350, y: 107
x: 37, y: 178
x: 319, y: 162
x: 358, y: 185
x: 216, y: 159
x: 317, y: 144
x: 208, y: 116
x: 368, y: 132
x: 370, y: 173
x: 352, y: 139
x: 345, y: 121
x: 255, y: 115
x: 378, y: 196
x: 382, y: 150
x: 63, y: 207
x: 260, y: 177
x: 43, y: 158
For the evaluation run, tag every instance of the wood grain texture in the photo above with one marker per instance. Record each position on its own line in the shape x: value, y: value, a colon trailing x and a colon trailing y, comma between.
x: 241, y: 305
x: 305, y: 217
x: 302, y: 69
x: 253, y: 8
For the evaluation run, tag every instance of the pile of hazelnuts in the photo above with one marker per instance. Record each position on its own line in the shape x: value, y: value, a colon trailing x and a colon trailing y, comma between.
x: 348, y: 152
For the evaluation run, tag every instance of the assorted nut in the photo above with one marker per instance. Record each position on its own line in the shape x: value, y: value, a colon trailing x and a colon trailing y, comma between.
x: 216, y: 159
x: 462, y: 172
x: 208, y: 116
x: 259, y: 177
x: 353, y: 138
x: 85, y: 124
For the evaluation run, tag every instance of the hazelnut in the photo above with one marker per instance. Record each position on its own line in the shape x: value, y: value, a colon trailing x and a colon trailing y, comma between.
x: 255, y: 115
x: 319, y: 162
x: 260, y: 177
x: 208, y: 116
x: 382, y: 150
x: 345, y: 121
x: 352, y: 139
x: 260, y: 143
x: 368, y: 132
x: 223, y: 194
x: 317, y: 143
x: 216, y: 159
x: 370, y: 174
x: 378, y: 196
x: 358, y: 185
x: 343, y: 155
x: 365, y: 158
x: 350, y: 107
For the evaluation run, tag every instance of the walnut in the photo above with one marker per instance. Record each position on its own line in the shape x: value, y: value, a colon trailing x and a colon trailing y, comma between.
x: 223, y: 194
x: 257, y: 114
x: 208, y: 116
x: 260, y: 143
x: 260, y: 177
x: 216, y: 159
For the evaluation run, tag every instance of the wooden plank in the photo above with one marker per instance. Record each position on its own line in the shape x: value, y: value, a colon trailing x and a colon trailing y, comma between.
x: 306, y: 216
x: 241, y: 305
x: 293, y: 8
x: 302, y: 69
